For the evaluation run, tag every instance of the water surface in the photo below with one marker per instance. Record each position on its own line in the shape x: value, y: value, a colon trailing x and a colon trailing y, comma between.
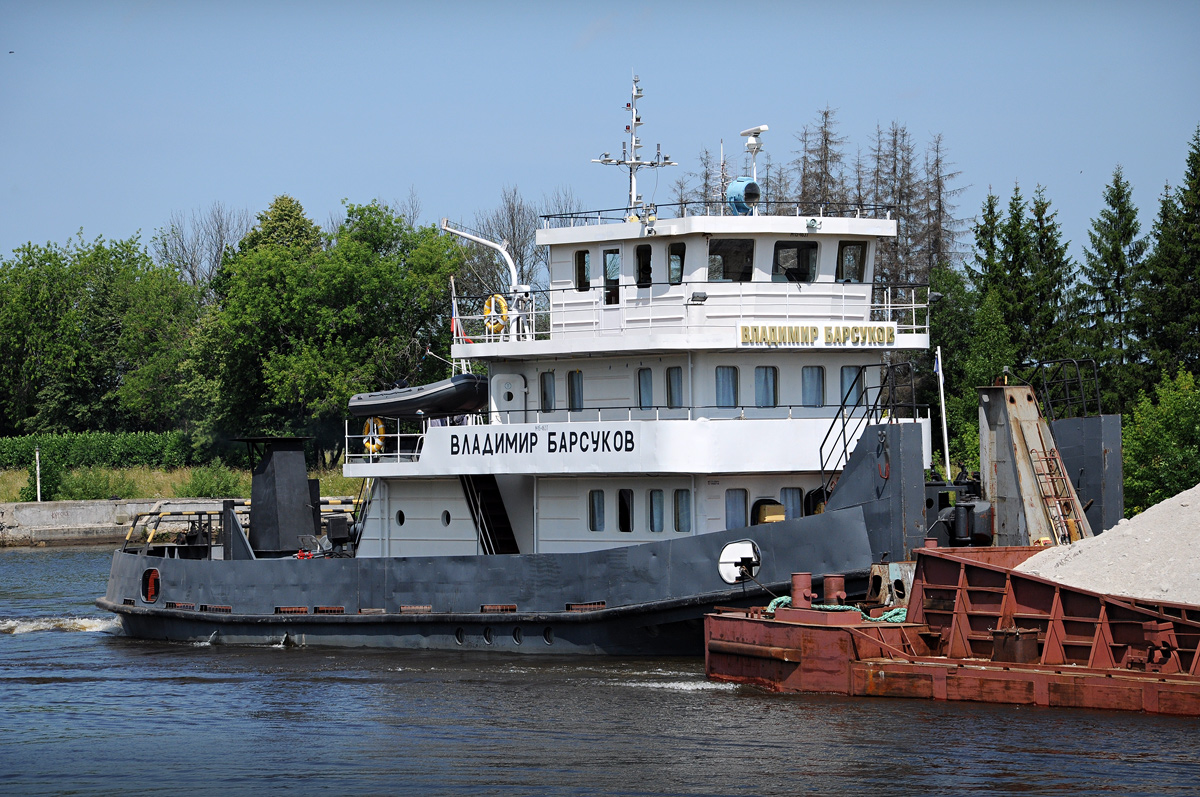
x: 84, y: 710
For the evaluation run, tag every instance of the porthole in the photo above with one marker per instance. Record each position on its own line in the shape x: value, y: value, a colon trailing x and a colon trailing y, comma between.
x: 150, y: 585
x: 399, y: 517
x: 487, y: 634
x: 548, y: 635
x: 459, y: 635
x: 508, y: 395
x: 518, y: 636
x: 445, y: 517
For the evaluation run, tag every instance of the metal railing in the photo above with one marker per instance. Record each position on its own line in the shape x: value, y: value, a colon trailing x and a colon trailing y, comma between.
x: 715, y: 207
x: 1069, y: 388
x: 684, y: 308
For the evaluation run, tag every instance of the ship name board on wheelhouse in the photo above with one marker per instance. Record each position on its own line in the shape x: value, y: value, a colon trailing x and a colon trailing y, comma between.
x: 879, y: 335
x: 490, y: 443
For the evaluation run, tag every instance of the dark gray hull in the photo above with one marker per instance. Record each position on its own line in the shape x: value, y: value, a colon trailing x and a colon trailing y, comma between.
x: 649, y: 598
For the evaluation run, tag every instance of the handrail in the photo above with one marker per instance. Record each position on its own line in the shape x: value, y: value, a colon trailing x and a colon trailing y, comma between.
x: 702, y: 207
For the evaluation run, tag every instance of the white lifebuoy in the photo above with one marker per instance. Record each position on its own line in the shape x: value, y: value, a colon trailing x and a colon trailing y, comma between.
x: 495, y: 312
x: 373, y: 435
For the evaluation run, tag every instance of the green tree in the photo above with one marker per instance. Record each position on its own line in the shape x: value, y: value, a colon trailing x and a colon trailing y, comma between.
x: 1161, y: 444
x: 1105, y: 295
x: 986, y: 270
x: 951, y: 322
x: 1014, y: 288
x: 298, y: 329
x: 1052, y: 329
x: 1168, y: 288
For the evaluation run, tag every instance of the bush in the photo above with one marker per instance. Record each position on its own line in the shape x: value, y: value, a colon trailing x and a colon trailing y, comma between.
x: 95, y: 484
x: 52, y: 477
x: 1162, y: 443
x: 97, y: 449
x: 214, y: 481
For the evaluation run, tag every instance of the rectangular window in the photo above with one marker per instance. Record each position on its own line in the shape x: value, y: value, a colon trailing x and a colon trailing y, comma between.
x: 812, y: 386
x: 625, y: 510
x: 575, y: 390
x: 612, y: 276
x: 654, y: 504
x: 852, y: 261
x: 547, y: 385
x: 735, y: 509
x: 675, y: 387
x: 583, y: 270
x: 727, y: 386
x: 795, y: 261
x: 766, y: 386
x: 852, y: 384
x: 645, y: 271
x: 730, y: 259
x: 675, y: 253
x: 683, y: 511
x: 596, y: 510
x: 645, y: 385
x: 792, y: 499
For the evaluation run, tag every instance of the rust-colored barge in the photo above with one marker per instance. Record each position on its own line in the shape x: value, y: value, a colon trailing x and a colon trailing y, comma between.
x: 974, y: 630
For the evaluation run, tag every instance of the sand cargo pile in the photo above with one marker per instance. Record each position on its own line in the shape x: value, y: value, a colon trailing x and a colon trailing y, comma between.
x: 1152, y: 556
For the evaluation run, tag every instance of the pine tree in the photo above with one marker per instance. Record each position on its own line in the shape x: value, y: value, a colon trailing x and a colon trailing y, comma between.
x: 1105, y: 294
x: 1051, y: 328
x: 985, y: 268
x: 1168, y: 289
x: 1013, y: 288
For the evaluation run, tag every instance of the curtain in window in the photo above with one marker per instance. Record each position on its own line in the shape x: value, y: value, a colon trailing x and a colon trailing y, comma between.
x: 727, y: 392
x: 792, y: 499
x: 812, y: 390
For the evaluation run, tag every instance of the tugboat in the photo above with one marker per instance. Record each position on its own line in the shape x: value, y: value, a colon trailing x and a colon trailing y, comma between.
x: 663, y: 428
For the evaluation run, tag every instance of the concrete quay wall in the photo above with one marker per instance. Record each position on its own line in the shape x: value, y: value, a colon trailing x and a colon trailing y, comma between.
x: 67, y: 522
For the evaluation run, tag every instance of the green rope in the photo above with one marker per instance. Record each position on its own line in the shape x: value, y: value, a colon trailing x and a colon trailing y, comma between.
x: 896, y: 615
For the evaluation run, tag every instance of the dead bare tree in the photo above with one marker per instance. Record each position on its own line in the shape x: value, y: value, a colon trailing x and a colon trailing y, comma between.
x: 196, y: 243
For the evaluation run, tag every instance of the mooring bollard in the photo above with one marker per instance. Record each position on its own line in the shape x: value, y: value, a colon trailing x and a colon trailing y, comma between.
x: 802, y: 593
x: 833, y: 589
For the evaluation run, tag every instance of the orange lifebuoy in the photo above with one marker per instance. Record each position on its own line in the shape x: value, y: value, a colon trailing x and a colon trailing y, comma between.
x: 373, y: 435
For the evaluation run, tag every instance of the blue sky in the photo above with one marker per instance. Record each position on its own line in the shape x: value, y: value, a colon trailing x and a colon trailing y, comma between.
x: 115, y: 114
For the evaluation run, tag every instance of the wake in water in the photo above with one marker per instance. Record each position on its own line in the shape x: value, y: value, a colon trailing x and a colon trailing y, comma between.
x: 24, y: 625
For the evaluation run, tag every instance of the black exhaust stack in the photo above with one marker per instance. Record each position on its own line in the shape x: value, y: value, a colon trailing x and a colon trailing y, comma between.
x: 284, y: 502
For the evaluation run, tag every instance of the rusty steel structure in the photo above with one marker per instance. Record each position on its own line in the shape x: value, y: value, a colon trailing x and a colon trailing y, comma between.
x: 975, y: 630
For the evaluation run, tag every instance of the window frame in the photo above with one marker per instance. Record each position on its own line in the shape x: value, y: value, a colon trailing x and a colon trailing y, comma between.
x: 575, y: 391
x: 645, y: 270
x: 841, y: 262
x: 612, y: 285
x: 595, y: 510
x: 804, y: 371
x: 546, y: 397
x: 645, y: 388
x: 717, y: 386
x: 681, y: 509
x: 747, y: 273
x: 774, y: 385
x: 675, y: 277
x: 674, y: 394
x: 784, y: 275
x: 583, y: 270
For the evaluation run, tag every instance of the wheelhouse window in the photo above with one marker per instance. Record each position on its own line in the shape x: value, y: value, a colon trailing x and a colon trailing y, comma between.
x: 583, y: 270
x: 675, y: 253
x: 735, y: 509
x: 792, y: 499
x: 812, y: 386
x: 575, y: 391
x: 645, y: 271
x: 596, y: 510
x: 795, y: 261
x: 730, y: 259
x: 727, y: 386
x: 852, y: 384
x: 612, y: 276
x: 625, y: 510
x: 766, y: 386
x: 683, y: 511
x: 654, y: 508
x: 852, y: 261
x: 547, y: 391
x: 645, y: 384
x: 674, y: 387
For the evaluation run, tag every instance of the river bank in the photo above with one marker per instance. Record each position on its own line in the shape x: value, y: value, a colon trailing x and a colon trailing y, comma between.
x: 59, y: 523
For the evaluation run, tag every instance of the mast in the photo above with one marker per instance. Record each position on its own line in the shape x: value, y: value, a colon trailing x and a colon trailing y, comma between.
x: 630, y: 158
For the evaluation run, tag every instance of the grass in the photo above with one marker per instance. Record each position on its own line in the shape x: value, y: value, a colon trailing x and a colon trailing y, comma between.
x: 153, y: 484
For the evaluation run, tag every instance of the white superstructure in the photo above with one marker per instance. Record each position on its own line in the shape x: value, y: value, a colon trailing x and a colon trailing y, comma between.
x: 687, y: 370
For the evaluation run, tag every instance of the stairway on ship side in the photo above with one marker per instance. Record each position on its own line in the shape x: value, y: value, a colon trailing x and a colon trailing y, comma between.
x: 487, y: 509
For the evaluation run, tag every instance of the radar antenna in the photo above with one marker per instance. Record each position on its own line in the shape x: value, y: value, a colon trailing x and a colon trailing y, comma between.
x: 629, y: 149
